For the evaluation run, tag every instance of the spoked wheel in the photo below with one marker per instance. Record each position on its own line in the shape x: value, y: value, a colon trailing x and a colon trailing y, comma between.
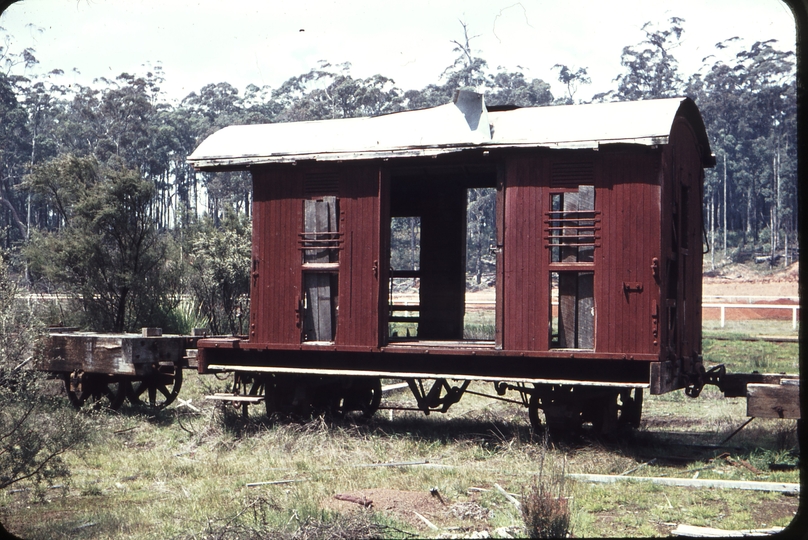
x: 156, y: 390
x: 279, y: 393
x: 364, y: 395
x: 571, y: 408
x: 89, y: 390
x: 533, y: 413
x: 630, y: 408
x: 562, y: 411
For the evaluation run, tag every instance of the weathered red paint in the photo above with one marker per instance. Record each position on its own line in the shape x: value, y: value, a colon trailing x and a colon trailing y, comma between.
x: 647, y: 286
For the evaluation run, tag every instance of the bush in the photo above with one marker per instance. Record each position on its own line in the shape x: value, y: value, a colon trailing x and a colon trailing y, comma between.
x: 219, y: 273
x: 35, y: 430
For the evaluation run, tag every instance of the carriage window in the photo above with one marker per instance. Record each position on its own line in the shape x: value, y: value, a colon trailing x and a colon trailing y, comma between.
x: 320, y: 303
x: 573, y: 223
x: 572, y: 232
x: 320, y: 243
x: 572, y: 310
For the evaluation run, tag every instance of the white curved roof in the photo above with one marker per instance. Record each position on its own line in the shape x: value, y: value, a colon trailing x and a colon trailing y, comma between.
x: 463, y: 124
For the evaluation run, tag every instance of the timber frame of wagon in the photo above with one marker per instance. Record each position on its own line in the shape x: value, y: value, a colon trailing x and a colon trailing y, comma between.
x: 598, y: 258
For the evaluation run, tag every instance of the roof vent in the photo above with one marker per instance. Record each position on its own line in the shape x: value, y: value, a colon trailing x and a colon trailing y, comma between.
x: 472, y: 105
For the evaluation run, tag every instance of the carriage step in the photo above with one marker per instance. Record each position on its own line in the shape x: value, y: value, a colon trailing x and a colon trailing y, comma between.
x: 236, y: 398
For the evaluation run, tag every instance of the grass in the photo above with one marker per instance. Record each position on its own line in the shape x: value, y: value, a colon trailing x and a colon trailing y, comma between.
x: 747, y: 356
x: 183, y: 474
x: 750, y: 328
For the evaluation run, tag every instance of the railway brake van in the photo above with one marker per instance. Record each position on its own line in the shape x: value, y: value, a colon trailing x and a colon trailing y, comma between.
x: 597, y: 258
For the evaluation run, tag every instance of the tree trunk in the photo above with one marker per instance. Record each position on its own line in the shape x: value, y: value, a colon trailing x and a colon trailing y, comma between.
x: 749, y: 213
x: 120, y: 315
x: 712, y: 231
x: 725, y: 207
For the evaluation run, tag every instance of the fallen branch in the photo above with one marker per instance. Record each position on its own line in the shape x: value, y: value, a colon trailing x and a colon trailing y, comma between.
x: 275, y: 482
x: 638, y: 467
x: 394, y: 464
x: 367, y: 503
x: 740, y: 463
x: 428, y: 523
x: 186, y: 403
x: 511, y: 499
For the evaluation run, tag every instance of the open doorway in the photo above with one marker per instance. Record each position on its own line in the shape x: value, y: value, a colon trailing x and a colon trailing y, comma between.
x: 442, y: 264
x: 479, y: 319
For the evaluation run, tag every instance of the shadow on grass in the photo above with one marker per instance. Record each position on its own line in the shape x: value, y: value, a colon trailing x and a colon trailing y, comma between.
x: 772, y: 443
x: 677, y: 442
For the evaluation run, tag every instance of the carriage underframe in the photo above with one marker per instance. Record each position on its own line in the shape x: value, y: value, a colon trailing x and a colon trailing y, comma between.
x: 306, y: 382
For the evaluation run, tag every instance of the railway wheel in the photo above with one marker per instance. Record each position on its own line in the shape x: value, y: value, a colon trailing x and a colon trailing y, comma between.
x: 158, y: 389
x: 563, y: 411
x: 533, y: 413
x: 89, y: 390
x: 364, y: 395
x: 630, y: 408
x: 570, y: 408
x: 279, y: 393
x: 602, y: 412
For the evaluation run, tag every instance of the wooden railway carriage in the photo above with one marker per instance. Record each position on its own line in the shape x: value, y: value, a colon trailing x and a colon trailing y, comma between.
x: 598, y: 256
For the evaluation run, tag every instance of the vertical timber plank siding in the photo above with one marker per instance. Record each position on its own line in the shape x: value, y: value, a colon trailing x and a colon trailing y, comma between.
x: 685, y: 145
x: 360, y: 262
x: 526, y: 282
x: 257, y: 299
x: 680, y: 268
x: 384, y: 256
x: 277, y: 220
x: 630, y: 201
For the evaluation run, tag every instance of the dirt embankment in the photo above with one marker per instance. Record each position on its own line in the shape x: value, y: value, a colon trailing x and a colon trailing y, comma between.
x: 743, y: 280
x: 737, y: 283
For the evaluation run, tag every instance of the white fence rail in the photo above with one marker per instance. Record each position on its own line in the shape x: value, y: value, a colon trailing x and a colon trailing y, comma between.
x: 724, y: 307
x: 739, y: 302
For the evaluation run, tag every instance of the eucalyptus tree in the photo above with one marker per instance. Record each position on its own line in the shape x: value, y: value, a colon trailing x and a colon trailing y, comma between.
x: 651, y: 69
x: 748, y: 101
x: 571, y: 80
x: 512, y: 88
x: 14, y: 153
x: 215, y: 106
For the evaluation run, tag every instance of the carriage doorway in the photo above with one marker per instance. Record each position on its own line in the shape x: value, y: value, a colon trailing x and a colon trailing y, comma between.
x: 443, y: 257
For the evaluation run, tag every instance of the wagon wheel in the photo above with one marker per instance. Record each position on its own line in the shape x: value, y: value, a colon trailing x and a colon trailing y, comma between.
x: 560, y: 413
x: 364, y: 396
x: 602, y: 411
x: 156, y: 390
x: 630, y: 408
x: 533, y: 413
x: 278, y: 395
x: 372, y: 404
x: 94, y: 391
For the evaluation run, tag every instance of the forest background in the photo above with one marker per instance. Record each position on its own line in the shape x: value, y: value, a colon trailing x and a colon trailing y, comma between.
x: 100, y: 210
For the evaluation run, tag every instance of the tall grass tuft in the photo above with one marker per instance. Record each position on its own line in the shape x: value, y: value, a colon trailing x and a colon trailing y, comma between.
x: 546, y: 507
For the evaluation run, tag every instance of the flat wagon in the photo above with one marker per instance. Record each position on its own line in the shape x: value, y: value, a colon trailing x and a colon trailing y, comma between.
x: 597, y: 255
x: 107, y: 369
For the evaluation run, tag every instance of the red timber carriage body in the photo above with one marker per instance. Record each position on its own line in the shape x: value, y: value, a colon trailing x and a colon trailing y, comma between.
x: 597, y: 257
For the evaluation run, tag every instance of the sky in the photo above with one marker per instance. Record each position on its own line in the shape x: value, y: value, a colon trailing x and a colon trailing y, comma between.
x: 264, y: 42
